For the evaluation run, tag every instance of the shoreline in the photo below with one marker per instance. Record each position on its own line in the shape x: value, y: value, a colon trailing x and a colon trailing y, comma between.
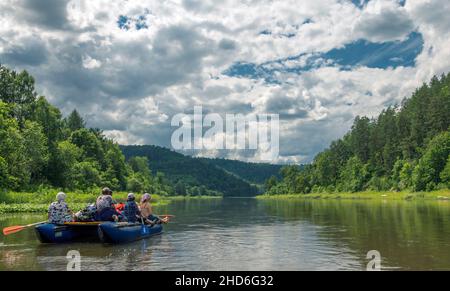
x: 42, y: 206
x: 439, y: 195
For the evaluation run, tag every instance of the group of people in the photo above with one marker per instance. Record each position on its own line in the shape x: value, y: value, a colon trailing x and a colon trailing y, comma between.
x: 105, y: 209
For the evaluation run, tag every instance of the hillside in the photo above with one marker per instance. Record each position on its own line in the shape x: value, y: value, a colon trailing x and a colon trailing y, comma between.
x: 405, y: 148
x: 253, y: 173
x: 185, y: 172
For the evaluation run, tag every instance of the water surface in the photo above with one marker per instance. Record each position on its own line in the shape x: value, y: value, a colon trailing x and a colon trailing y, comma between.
x: 247, y: 234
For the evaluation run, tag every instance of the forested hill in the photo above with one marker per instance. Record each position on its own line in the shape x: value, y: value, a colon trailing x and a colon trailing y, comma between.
x: 39, y: 148
x: 405, y: 147
x: 253, y: 173
x: 189, y: 174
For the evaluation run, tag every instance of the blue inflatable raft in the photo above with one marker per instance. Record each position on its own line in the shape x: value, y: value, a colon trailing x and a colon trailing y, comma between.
x: 106, y: 232
x: 52, y: 233
x: 117, y: 233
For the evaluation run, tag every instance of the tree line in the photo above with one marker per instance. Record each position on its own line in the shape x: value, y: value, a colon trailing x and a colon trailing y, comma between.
x: 406, y: 147
x: 194, y: 176
x: 41, y: 148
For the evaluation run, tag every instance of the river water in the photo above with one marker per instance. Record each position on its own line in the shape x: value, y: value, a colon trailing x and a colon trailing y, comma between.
x: 248, y: 234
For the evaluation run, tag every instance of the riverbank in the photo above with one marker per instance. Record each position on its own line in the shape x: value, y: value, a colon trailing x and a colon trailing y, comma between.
x: 38, y: 202
x: 369, y: 195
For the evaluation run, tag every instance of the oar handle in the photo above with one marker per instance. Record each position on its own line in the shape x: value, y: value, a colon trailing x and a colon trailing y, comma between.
x: 37, y: 223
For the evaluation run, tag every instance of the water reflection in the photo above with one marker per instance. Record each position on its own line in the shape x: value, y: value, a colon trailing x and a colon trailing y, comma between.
x: 246, y: 234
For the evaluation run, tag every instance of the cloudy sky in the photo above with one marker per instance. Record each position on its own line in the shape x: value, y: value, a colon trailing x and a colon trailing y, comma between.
x: 128, y: 66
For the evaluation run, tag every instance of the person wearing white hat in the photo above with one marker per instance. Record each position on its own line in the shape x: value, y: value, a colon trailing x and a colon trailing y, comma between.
x: 59, y: 212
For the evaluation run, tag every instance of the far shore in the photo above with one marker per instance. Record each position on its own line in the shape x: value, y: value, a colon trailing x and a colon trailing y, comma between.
x: 369, y: 195
x: 16, y: 202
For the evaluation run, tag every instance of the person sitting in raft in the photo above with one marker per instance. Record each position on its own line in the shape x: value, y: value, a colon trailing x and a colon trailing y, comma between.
x: 105, y: 200
x: 147, y: 211
x: 105, y: 207
x: 59, y: 212
x: 108, y: 214
x: 131, y: 210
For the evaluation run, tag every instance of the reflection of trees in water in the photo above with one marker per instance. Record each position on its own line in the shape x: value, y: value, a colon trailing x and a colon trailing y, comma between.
x: 100, y: 257
x: 412, y: 235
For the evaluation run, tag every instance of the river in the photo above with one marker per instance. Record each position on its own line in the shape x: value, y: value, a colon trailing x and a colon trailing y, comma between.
x: 249, y: 234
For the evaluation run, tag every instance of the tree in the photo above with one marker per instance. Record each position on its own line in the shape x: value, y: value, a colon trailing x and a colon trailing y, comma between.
x: 289, y: 174
x: 353, y: 176
x: 35, y: 149
x: 272, y: 182
x: 68, y: 156
x: 180, y: 188
x: 445, y: 174
x: 360, y: 138
x: 426, y: 174
x: 116, y: 170
x: 135, y: 184
x: 75, y: 121
x: 406, y: 176
x: 3, y: 174
x: 85, y: 175
x: 140, y: 165
x: 89, y: 143
x: 17, y: 89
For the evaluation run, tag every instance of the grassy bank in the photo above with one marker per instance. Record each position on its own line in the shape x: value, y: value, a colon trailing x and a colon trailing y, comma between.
x: 38, y: 202
x: 405, y: 195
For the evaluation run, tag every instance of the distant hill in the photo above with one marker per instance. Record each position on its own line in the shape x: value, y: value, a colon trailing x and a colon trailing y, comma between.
x: 253, y: 173
x: 231, y: 178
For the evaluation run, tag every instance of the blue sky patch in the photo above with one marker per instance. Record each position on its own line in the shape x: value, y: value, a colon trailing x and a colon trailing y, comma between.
x: 379, y: 55
x: 360, y: 3
x: 126, y: 22
x: 359, y: 53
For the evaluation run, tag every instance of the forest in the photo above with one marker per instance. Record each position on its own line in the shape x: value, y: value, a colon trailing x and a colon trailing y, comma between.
x: 200, y: 177
x: 406, y: 147
x: 39, y: 148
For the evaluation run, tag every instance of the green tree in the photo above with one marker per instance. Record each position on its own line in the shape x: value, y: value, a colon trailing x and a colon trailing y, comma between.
x: 3, y: 174
x: 116, y: 170
x: 17, y: 89
x: 353, y: 176
x: 68, y: 156
x: 140, y: 165
x: 360, y: 138
x: 35, y: 149
x: 85, y: 175
x: 445, y: 174
x: 89, y: 143
x: 74, y: 121
x: 272, y: 182
x: 406, y: 176
x: 135, y: 184
x: 180, y: 188
x: 426, y: 175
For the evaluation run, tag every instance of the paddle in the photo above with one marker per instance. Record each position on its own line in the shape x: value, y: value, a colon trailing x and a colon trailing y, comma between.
x: 166, y: 217
x: 17, y: 228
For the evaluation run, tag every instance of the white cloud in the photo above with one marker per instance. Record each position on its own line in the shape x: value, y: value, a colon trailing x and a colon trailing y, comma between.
x: 131, y: 82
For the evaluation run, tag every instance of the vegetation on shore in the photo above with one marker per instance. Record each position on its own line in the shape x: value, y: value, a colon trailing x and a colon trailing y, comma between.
x: 406, y: 148
x: 369, y: 195
x: 38, y: 202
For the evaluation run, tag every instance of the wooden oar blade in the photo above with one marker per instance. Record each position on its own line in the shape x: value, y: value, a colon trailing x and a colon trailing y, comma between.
x: 12, y: 229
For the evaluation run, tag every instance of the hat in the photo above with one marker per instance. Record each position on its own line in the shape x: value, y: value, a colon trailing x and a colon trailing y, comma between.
x: 107, y: 191
x: 61, y: 196
x: 131, y: 196
x: 146, y: 197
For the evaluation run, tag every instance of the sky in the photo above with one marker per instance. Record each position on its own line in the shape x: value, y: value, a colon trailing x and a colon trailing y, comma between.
x: 129, y: 66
